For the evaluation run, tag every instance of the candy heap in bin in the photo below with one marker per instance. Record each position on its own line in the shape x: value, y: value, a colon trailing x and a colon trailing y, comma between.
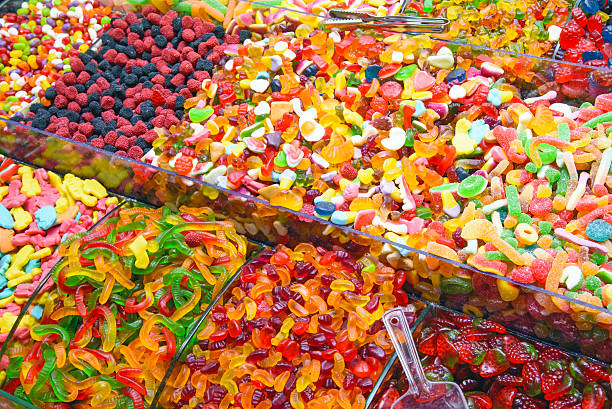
x: 221, y: 204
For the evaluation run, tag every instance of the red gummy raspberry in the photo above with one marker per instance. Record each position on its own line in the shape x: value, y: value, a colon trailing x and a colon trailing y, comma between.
x: 79, y: 137
x: 135, y: 152
x: 188, y: 35
x: 97, y: 143
x: 194, y: 85
x: 121, y: 59
x: 208, y: 27
x: 86, y: 128
x: 231, y: 39
x: 88, y: 116
x: 178, y: 80
x: 110, y: 138
x: 61, y: 101
x: 167, y: 32
x: 215, y: 57
x: 119, y: 23
x: 107, y: 102
x: 81, y: 99
x: 76, y: 65
x: 122, y: 143
x: 170, y: 55
x: 150, y: 136
x: 117, y: 34
x: 186, y: 68
x: 348, y: 171
x: 83, y: 77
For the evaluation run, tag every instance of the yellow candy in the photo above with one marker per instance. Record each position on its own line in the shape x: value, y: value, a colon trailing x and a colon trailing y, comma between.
x: 41, y: 253
x: 526, y: 234
x: 18, y: 261
x: 507, y: 291
x: 3, y: 191
x: 94, y: 188
x: 22, y: 218
x: 29, y: 186
x: 139, y: 248
x: 366, y: 176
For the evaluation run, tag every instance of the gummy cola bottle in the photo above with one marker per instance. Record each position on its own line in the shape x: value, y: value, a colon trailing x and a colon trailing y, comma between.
x: 422, y: 393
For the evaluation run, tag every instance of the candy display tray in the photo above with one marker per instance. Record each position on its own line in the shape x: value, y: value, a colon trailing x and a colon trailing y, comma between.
x: 8, y: 400
x: 393, y: 372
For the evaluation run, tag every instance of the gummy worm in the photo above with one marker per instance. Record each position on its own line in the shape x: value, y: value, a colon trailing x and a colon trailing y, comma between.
x: 558, y: 143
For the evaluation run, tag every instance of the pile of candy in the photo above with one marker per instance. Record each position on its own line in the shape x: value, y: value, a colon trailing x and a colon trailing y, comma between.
x: 128, y: 293
x: 587, y: 37
x: 38, y: 211
x: 435, y: 152
x: 139, y: 78
x: 301, y: 328
x: 38, y: 41
x: 496, y: 369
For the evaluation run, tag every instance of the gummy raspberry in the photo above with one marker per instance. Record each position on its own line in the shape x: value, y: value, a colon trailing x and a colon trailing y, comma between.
x: 194, y: 85
x: 79, y: 137
x: 116, y: 34
x: 348, y: 172
x: 178, y: 80
x: 208, y: 27
x: 81, y: 99
x: 122, y: 143
x: 110, y: 138
x: 86, y: 128
x: 76, y: 65
x: 83, y: 77
x: 470, y: 352
x: 193, y: 239
x: 71, y: 93
x: 167, y: 32
x: 61, y: 101
x: 231, y: 39
x: 107, y: 102
x: 97, y: 143
x: 135, y: 152
x: 186, y: 68
x: 188, y: 35
x: 70, y: 78
x: 121, y: 59
x: 183, y: 165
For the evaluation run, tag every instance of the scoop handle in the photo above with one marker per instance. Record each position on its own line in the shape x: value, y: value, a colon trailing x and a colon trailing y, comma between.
x: 401, y: 337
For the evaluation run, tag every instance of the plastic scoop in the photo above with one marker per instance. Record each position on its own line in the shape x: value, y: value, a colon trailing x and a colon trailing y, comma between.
x: 422, y: 393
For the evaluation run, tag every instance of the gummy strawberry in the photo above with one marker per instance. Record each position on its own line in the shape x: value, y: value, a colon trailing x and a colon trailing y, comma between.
x: 495, y: 363
x: 505, y: 398
x: 564, y: 402
x: 522, y: 401
x: 446, y: 349
x: 438, y: 373
x: 486, y: 325
x: 520, y: 352
x: 593, y: 396
x: 470, y: 352
x: 594, y: 372
x: 532, y: 379
x: 556, y: 384
x: 509, y: 380
x: 478, y: 400
x: 549, y: 353
x: 427, y: 342
x: 473, y: 334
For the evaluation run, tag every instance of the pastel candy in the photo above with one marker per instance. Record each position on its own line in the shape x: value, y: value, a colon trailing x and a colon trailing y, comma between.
x: 6, y: 220
x: 423, y: 81
x: 45, y: 217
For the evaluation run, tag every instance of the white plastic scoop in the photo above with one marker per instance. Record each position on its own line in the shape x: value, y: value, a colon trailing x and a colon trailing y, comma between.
x: 422, y: 393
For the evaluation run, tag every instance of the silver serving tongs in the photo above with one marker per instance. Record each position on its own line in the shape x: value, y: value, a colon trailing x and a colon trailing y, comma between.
x: 421, y: 393
x: 351, y: 20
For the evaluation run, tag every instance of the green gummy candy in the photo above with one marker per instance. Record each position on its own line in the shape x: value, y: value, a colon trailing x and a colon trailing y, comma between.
x: 523, y: 218
x: 200, y: 114
x: 545, y: 227
x: 514, y: 206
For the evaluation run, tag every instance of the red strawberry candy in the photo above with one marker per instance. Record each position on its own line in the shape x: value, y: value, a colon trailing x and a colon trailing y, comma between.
x: 520, y: 352
x: 427, y: 342
x: 470, y: 352
x: 486, y: 325
x: 532, y: 379
x: 593, y: 396
x: 556, y: 383
x: 495, y: 363
x: 446, y: 348
x: 505, y: 398
x: 478, y: 400
x: 564, y: 402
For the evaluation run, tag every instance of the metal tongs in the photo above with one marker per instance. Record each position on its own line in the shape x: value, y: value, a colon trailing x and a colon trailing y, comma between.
x: 351, y: 20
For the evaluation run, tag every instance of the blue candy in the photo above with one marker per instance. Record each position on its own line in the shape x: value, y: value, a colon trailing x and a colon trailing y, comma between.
x: 339, y: 217
x: 371, y: 72
x: 6, y: 219
x: 606, y: 33
x: 592, y: 55
x: 458, y: 74
x: 590, y: 6
x: 45, y: 217
x: 36, y: 312
x: 599, y: 230
x: 325, y: 208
